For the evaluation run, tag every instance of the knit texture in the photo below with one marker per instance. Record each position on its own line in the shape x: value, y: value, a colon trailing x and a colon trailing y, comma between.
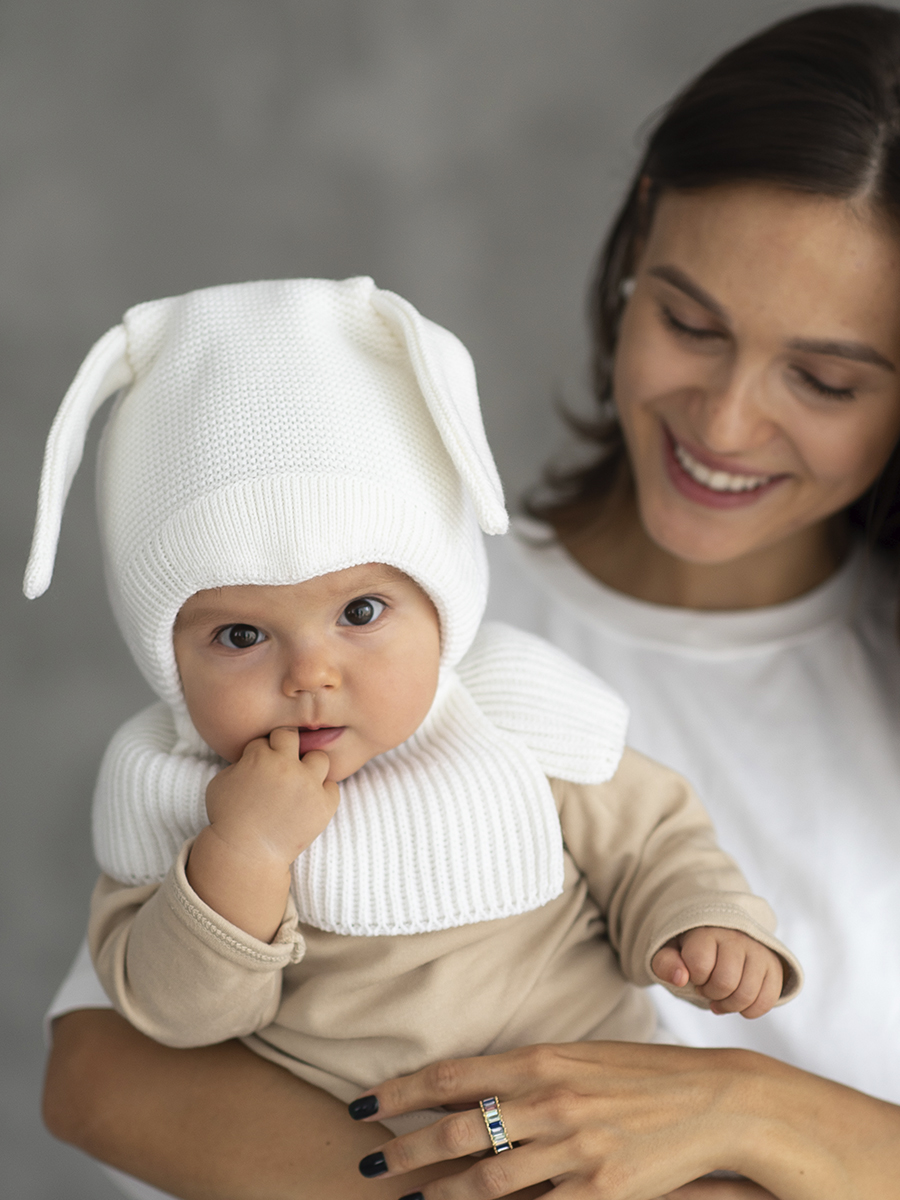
x: 268, y: 433
x: 455, y: 826
x: 556, y: 706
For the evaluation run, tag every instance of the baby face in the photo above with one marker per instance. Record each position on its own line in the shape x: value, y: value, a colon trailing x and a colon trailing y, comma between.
x: 350, y: 659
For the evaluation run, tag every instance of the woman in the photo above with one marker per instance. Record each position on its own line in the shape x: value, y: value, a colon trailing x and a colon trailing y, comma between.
x: 727, y: 562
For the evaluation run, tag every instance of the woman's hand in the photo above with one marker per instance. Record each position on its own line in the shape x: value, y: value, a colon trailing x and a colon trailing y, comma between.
x: 598, y: 1119
x: 616, y: 1121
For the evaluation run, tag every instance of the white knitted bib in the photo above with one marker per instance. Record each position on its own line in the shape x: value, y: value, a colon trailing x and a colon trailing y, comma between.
x: 455, y: 826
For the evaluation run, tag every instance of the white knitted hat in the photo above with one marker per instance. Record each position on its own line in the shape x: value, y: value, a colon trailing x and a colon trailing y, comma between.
x: 267, y: 433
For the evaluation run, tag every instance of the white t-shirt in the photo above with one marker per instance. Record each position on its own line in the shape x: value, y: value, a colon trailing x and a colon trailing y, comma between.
x: 787, y: 720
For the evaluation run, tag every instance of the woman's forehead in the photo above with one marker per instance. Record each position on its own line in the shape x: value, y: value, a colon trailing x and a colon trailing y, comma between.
x: 782, y: 254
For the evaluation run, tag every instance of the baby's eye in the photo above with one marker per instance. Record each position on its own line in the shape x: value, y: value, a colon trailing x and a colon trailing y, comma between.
x: 362, y: 611
x: 239, y: 637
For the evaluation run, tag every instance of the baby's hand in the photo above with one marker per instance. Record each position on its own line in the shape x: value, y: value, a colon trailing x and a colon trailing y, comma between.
x: 272, y: 803
x: 729, y: 968
x: 263, y: 811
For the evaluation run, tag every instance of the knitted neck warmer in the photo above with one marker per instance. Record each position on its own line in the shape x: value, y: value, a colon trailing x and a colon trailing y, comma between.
x: 455, y: 826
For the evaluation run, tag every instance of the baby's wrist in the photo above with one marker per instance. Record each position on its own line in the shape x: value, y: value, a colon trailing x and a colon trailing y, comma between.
x: 244, y: 847
x: 248, y: 890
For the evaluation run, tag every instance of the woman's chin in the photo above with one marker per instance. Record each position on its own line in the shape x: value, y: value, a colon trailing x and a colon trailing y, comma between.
x: 705, y: 527
x: 702, y: 541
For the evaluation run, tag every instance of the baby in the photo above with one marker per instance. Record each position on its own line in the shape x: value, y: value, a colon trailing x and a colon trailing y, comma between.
x: 360, y: 830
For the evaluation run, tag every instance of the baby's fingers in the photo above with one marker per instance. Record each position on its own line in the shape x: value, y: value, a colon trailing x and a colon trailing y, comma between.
x: 735, y: 985
x: 669, y: 966
x: 317, y: 763
x: 769, y: 992
x: 758, y: 988
x: 701, y: 953
x: 285, y: 740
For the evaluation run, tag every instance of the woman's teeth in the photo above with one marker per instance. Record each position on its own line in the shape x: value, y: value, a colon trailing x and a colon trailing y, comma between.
x: 717, y: 481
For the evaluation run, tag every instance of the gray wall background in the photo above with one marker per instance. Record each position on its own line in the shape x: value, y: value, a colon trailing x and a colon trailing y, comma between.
x: 466, y: 153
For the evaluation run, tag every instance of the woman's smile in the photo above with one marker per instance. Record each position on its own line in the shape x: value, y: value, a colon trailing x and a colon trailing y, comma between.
x: 697, y: 477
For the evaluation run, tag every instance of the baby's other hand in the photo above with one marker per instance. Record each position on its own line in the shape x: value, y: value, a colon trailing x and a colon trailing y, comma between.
x: 729, y: 968
x: 271, y: 802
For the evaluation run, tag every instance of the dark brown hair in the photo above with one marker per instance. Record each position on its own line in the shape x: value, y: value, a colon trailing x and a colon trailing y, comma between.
x: 813, y: 104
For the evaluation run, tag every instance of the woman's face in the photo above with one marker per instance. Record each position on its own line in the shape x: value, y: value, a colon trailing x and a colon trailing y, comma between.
x: 757, y: 375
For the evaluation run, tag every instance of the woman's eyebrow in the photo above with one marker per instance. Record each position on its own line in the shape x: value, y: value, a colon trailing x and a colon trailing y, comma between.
x: 857, y: 351
x: 684, y: 283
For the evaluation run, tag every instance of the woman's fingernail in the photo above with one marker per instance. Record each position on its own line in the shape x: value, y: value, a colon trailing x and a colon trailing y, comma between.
x: 413, y: 1196
x: 365, y: 1106
x: 372, y: 1165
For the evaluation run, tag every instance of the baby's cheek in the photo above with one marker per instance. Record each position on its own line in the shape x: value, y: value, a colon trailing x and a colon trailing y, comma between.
x: 394, y: 723
x: 224, y: 731
x: 413, y: 711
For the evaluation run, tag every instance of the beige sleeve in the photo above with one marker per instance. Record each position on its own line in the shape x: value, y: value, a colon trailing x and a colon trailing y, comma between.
x: 649, y: 853
x: 178, y: 971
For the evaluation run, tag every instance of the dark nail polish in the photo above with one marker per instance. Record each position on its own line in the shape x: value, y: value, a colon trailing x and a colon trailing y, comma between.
x: 413, y: 1196
x: 372, y: 1165
x: 365, y: 1106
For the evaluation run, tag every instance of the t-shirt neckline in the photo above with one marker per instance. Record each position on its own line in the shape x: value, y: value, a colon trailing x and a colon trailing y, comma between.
x: 662, y: 624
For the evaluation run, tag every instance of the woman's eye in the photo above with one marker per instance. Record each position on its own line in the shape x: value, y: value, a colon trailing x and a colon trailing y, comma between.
x: 362, y: 611
x: 240, y: 637
x: 701, y: 332
x: 823, y: 389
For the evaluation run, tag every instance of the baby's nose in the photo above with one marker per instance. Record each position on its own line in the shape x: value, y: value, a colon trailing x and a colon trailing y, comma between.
x: 311, y: 671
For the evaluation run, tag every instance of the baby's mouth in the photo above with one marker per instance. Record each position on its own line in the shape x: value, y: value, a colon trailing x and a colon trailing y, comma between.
x: 319, y: 738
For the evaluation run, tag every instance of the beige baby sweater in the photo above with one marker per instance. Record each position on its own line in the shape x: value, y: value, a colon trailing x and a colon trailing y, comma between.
x: 346, y: 1012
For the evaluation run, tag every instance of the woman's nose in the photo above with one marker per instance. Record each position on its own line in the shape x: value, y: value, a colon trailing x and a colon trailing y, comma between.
x: 735, y: 417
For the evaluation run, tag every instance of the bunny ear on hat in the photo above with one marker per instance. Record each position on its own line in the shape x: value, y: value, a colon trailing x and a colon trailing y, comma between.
x: 446, y: 377
x: 105, y: 370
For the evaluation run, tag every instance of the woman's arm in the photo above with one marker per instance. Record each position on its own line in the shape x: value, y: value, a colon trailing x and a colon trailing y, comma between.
x: 217, y: 1123
x: 202, y: 1124
x: 617, y: 1120
x: 720, y: 1189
